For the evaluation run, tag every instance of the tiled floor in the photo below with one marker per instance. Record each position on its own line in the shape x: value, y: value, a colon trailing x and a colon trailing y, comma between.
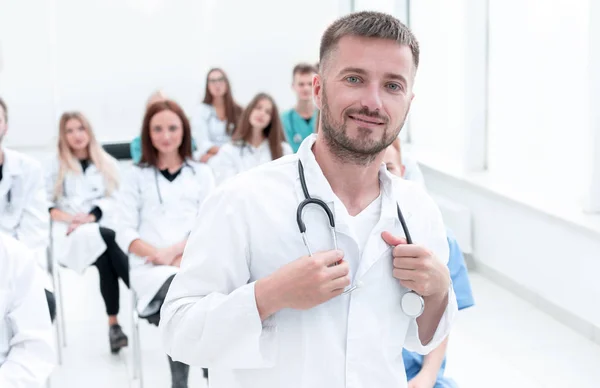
x: 501, y: 342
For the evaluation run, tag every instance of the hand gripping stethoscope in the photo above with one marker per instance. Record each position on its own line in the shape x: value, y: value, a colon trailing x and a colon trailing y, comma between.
x: 412, y: 304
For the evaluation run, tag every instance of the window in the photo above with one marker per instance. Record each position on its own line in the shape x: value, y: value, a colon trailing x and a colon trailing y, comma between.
x: 538, y: 98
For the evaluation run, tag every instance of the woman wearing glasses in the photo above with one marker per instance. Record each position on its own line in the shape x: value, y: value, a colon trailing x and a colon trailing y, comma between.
x: 158, y: 205
x: 214, y: 121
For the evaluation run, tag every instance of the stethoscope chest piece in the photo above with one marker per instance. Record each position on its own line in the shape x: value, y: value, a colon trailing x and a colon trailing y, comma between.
x: 412, y: 304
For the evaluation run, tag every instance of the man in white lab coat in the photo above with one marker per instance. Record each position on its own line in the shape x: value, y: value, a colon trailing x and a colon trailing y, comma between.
x: 251, y: 305
x: 23, y: 205
x: 27, y: 353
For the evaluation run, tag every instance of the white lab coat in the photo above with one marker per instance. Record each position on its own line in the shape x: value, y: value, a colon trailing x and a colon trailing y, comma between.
x: 236, y: 157
x: 143, y: 217
x: 412, y: 171
x: 82, y: 191
x: 210, y: 318
x: 207, y: 129
x: 27, y: 352
x: 26, y: 217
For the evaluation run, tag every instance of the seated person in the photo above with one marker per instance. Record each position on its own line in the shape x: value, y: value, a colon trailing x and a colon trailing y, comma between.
x: 158, y: 205
x: 215, y: 119
x: 81, y: 184
x: 23, y: 205
x: 27, y: 353
x: 135, y: 147
x: 257, y: 139
x: 428, y: 371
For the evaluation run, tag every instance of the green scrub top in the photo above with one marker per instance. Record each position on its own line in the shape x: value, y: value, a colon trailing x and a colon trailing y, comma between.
x: 297, y: 128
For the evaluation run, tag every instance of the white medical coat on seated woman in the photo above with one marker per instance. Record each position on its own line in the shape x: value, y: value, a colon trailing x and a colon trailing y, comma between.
x: 27, y: 352
x: 239, y: 156
x: 82, y: 191
x: 161, y: 213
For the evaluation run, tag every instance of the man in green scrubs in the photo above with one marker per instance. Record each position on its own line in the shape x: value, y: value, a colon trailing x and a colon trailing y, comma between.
x: 300, y: 121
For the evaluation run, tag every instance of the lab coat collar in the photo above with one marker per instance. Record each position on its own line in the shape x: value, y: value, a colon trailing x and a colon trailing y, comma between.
x: 319, y: 187
x: 11, y: 165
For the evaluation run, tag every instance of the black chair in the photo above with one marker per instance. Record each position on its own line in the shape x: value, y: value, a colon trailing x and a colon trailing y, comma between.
x: 119, y: 151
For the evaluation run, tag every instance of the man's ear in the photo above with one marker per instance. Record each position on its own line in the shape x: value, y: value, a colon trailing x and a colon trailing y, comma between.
x: 317, y: 89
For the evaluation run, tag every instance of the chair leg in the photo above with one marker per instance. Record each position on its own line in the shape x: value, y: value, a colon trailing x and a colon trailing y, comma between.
x: 136, y: 348
x: 58, y: 342
x: 61, y: 310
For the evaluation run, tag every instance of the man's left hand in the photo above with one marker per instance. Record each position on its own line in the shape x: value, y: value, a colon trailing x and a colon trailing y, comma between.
x: 417, y: 268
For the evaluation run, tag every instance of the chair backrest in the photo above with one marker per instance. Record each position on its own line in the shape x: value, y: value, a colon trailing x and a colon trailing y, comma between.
x: 119, y: 151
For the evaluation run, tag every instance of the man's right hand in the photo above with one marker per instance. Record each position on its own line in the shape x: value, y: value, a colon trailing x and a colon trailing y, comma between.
x: 302, y: 284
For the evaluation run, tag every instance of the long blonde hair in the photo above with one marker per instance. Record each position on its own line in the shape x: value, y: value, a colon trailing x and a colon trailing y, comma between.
x: 68, y: 162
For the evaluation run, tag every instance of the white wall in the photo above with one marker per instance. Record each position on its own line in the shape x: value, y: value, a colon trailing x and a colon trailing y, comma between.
x: 104, y: 57
x: 552, y: 262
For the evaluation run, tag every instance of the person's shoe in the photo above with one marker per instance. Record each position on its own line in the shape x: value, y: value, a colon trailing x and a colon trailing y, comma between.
x: 117, y: 338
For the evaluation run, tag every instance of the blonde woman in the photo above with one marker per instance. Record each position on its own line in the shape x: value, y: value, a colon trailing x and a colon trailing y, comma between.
x: 81, y: 186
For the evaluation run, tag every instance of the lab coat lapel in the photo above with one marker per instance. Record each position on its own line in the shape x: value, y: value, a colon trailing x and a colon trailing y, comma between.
x: 10, y: 171
x: 376, y: 248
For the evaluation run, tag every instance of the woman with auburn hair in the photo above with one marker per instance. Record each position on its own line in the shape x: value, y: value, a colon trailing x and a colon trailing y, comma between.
x: 214, y: 121
x: 81, y: 185
x: 258, y: 139
x: 159, y: 202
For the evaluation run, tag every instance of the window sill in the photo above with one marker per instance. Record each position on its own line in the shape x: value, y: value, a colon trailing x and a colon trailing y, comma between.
x: 566, y: 210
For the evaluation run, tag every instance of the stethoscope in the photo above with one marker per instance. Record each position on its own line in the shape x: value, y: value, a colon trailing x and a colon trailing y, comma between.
x: 9, y: 204
x: 297, y: 138
x: 412, y: 304
x: 160, y: 198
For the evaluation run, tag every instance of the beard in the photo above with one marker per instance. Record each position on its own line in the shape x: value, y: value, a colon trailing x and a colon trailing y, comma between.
x: 363, y: 149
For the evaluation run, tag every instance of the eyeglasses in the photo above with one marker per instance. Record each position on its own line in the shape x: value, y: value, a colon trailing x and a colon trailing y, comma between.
x: 216, y: 80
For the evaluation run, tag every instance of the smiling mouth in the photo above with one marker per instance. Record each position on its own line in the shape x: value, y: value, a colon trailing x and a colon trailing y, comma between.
x: 366, y: 120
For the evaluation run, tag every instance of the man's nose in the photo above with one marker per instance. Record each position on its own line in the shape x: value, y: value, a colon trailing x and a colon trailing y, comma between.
x: 371, y: 97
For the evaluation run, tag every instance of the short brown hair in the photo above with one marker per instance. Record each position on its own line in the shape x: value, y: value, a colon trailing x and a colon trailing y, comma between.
x: 368, y: 24
x: 304, y: 68
x: 149, y: 153
x: 4, y: 109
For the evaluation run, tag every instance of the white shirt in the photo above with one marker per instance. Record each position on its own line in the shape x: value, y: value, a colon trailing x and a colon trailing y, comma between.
x: 25, y: 217
x: 207, y: 129
x: 245, y: 231
x: 361, y: 226
x: 237, y: 157
x: 27, y: 353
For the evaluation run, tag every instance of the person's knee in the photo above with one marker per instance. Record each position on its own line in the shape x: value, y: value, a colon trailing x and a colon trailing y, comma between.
x: 51, y: 304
